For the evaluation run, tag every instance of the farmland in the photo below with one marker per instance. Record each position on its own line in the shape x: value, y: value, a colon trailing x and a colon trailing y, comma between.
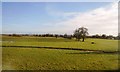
x: 50, y: 53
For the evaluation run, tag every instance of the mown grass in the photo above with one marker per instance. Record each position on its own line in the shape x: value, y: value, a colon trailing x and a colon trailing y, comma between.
x: 56, y: 59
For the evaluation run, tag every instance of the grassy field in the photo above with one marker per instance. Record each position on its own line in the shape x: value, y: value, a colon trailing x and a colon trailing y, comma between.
x: 18, y: 58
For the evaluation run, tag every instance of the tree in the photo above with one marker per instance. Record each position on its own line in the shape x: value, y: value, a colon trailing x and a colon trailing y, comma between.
x: 77, y: 34
x: 97, y: 36
x: 118, y: 36
x: 56, y: 35
x: 65, y: 35
x: 81, y: 33
x: 110, y: 37
x: 104, y: 36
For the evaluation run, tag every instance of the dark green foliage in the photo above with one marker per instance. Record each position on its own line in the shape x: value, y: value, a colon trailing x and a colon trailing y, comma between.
x: 81, y: 33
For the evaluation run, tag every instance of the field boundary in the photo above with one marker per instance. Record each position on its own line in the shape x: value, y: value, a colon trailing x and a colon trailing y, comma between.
x: 86, y: 50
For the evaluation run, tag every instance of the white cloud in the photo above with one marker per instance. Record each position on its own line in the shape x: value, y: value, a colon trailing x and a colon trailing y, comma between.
x: 54, y: 12
x: 103, y: 20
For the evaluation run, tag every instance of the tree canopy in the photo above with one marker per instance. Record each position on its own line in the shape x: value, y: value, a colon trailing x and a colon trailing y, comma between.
x: 81, y: 32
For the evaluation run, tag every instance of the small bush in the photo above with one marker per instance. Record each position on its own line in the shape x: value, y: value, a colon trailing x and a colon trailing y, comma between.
x: 92, y: 42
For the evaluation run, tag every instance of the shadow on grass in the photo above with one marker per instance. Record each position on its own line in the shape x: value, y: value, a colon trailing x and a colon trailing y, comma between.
x: 86, y: 51
x: 94, y: 52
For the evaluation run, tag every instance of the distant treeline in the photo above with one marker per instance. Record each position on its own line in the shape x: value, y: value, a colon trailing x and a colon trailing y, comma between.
x: 65, y: 36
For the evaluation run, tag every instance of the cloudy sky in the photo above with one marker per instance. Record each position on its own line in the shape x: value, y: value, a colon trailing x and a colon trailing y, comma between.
x: 59, y: 17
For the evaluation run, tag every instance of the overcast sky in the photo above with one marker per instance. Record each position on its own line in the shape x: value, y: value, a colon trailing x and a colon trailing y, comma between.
x: 59, y: 17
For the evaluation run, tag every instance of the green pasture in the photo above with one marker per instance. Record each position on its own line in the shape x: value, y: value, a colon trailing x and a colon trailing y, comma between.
x: 100, y: 44
x: 17, y: 58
